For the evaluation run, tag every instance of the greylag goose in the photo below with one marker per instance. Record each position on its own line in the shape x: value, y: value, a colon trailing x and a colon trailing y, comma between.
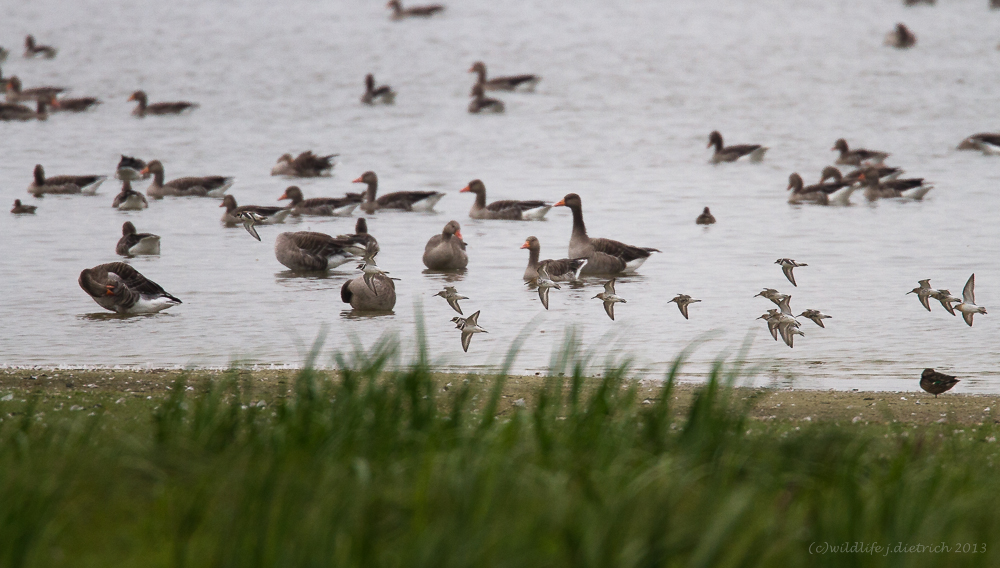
x: 753, y: 152
x: 986, y: 142
x: 706, y: 218
x: 884, y: 172
x: 398, y: 12
x: 305, y: 164
x: 14, y: 111
x: 143, y: 108
x: 900, y: 38
x: 446, y: 251
x: 363, y: 299
x: 482, y: 103
x: 3, y: 54
x: 208, y: 186
x: 510, y: 83
x: 3, y: 82
x: 130, y: 168
x: 382, y: 94
x: 129, y: 199
x: 16, y: 94
x: 32, y: 49
x: 264, y: 215
x: 306, y: 251
x: 405, y: 200
x: 604, y: 256
x: 507, y: 209
x: 562, y: 270
x: 133, y: 243
x: 857, y: 157
x: 818, y: 194
x: 73, y: 105
x: 21, y: 209
x: 86, y: 185
x: 912, y: 188
x: 120, y: 288
x: 340, y: 206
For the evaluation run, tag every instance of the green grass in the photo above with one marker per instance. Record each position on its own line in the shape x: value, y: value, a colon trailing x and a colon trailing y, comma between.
x: 372, y: 466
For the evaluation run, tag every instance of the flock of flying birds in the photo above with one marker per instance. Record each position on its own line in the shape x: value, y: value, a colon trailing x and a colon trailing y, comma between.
x: 118, y: 287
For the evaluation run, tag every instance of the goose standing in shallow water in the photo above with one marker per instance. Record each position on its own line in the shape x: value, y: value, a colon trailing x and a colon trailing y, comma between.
x: 337, y: 206
x: 510, y: 83
x: 562, y: 270
x: 306, y: 251
x: 507, y: 209
x: 86, y: 185
x: 120, y: 288
x: 404, y: 200
x: 398, y: 12
x: 129, y: 199
x: 262, y: 215
x: 208, y: 186
x: 604, y: 256
x: 32, y: 49
x: 446, y: 251
x: 482, y: 103
x: 753, y: 152
x: 21, y: 209
x: 305, y: 164
x: 857, y: 157
x: 383, y: 94
x: 143, y: 107
x: 133, y: 243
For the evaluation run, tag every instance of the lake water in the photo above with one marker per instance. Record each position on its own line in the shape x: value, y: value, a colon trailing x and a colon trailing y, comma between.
x: 622, y: 115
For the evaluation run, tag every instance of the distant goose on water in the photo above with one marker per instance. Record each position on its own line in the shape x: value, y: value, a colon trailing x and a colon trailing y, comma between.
x: 752, y: 152
x: 144, y: 107
x: 509, y: 83
x: 33, y: 49
x: 374, y: 95
x: 399, y: 13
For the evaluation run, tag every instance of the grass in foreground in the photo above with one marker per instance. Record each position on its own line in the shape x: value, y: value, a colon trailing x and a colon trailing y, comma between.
x: 378, y: 467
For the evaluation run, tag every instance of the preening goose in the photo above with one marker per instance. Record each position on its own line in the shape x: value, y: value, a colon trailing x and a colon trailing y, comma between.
x: 446, y: 251
x: 120, y: 288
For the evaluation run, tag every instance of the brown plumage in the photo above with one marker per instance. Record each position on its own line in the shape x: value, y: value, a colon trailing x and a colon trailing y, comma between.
x: 63, y: 184
x: 306, y: 251
x: 562, y: 270
x: 936, y: 383
x: 754, y: 152
x: 133, y: 243
x: 398, y: 12
x: 73, y: 105
x: 446, y: 251
x: 604, y: 256
x: 507, y: 209
x: 482, y: 103
x: 143, y: 107
x: 320, y: 205
x: 21, y: 209
x: 33, y: 49
x: 380, y: 94
x: 706, y: 218
x: 901, y: 37
x: 208, y: 186
x: 858, y: 156
x: 357, y: 293
x: 128, y: 199
x: 509, y: 83
x: 120, y: 288
x: 14, y: 111
x: 404, y: 200
x: 270, y: 215
x: 16, y: 94
x: 305, y: 164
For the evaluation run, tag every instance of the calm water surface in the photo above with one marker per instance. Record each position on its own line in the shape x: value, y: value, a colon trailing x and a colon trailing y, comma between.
x: 628, y: 97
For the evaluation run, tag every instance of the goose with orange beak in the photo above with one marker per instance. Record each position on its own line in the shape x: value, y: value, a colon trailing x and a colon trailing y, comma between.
x: 446, y: 251
x: 510, y: 209
x: 604, y: 256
